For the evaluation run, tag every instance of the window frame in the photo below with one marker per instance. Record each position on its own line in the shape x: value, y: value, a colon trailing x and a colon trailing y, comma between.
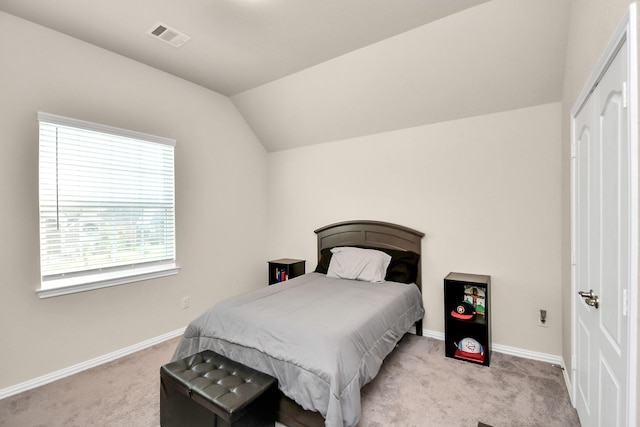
x: 97, y: 278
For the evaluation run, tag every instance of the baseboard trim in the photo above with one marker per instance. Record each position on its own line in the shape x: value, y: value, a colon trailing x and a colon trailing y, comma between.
x: 433, y: 334
x: 527, y: 354
x: 62, y: 373
x: 567, y: 381
x: 513, y: 351
x: 45, y: 379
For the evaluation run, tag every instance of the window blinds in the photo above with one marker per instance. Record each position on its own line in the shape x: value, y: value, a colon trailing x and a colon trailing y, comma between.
x: 106, y: 198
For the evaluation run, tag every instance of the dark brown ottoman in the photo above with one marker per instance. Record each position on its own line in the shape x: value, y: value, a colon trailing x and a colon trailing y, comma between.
x: 208, y: 389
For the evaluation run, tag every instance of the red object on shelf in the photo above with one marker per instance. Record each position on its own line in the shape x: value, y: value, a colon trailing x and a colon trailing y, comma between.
x: 475, y: 357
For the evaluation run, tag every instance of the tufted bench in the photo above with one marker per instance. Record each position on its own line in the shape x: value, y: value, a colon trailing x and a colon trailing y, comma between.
x: 208, y: 389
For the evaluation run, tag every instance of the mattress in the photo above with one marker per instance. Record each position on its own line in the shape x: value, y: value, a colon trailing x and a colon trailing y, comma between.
x: 322, y: 338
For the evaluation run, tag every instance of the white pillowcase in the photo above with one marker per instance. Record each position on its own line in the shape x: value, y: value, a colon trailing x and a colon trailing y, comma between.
x: 367, y: 265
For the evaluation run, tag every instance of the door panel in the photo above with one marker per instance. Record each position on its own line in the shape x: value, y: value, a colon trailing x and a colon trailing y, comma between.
x: 614, y: 234
x: 602, y: 245
x: 609, y: 400
x: 613, y: 325
x: 583, y: 383
x: 587, y: 167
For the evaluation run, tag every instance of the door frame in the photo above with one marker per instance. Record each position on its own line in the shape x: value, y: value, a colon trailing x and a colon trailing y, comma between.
x: 627, y: 30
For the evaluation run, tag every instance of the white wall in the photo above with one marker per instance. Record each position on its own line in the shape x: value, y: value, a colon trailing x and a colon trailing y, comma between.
x: 485, y: 191
x: 221, y: 172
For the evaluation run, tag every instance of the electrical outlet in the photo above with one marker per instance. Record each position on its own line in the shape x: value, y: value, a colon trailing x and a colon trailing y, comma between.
x: 185, y: 303
x: 543, y: 319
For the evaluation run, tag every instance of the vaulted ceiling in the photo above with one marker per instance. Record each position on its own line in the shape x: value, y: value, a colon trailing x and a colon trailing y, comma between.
x: 304, y: 72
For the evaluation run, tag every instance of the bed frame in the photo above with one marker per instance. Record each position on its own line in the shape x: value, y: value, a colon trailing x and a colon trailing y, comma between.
x: 372, y: 234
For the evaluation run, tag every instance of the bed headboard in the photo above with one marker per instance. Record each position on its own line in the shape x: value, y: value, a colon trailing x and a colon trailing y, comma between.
x: 373, y: 234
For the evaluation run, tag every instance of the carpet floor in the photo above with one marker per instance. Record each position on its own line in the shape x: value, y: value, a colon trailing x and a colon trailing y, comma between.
x: 416, y: 387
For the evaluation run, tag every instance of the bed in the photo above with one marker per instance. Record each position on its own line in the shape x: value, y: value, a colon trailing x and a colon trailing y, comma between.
x: 322, y: 335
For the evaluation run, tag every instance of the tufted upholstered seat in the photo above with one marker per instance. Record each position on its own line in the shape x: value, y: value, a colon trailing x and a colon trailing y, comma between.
x: 207, y: 389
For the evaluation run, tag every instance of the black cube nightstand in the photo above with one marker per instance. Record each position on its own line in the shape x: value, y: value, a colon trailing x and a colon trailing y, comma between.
x: 285, y: 268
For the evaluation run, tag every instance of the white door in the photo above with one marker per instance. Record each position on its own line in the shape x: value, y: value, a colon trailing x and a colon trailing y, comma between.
x: 602, y: 271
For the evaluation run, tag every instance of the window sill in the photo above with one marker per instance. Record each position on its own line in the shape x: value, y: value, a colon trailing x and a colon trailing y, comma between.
x: 72, y: 285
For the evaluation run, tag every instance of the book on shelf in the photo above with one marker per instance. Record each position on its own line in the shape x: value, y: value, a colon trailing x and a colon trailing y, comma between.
x: 281, y: 274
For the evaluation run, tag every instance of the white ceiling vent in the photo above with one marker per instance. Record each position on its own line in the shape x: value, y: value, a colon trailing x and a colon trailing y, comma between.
x: 168, y: 34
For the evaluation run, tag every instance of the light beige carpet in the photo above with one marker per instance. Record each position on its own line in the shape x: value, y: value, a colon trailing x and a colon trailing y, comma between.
x: 125, y: 392
x: 417, y: 386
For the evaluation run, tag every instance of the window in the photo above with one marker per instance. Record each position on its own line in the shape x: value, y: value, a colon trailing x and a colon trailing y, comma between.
x: 107, y: 211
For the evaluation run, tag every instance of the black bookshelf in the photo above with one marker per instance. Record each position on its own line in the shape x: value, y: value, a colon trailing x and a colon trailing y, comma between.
x: 467, y: 317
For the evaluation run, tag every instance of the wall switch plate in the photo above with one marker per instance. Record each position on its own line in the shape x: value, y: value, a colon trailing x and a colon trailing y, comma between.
x: 185, y: 303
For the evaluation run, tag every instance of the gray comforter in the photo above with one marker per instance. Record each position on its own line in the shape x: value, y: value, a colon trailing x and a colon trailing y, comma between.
x: 322, y: 338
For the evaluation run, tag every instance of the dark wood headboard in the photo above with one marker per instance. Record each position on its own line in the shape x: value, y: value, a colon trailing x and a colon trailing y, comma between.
x: 373, y: 234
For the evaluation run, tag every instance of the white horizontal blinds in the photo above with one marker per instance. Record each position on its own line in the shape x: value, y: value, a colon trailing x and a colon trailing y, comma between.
x: 106, y: 198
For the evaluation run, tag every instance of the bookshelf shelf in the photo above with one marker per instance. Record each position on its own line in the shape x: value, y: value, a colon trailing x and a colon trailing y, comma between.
x: 285, y: 268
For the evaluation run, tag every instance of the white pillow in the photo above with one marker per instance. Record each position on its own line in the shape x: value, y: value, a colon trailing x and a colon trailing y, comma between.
x: 367, y: 265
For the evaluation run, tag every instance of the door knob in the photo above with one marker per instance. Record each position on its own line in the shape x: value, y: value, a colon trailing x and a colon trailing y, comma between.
x: 590, y: 298
x: 584, y: 294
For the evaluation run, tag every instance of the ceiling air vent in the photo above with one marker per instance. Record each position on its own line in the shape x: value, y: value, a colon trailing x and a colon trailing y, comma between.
x: 168, y: 34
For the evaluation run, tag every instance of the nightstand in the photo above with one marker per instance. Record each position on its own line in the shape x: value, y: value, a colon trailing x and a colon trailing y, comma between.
x: 285, y: 268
